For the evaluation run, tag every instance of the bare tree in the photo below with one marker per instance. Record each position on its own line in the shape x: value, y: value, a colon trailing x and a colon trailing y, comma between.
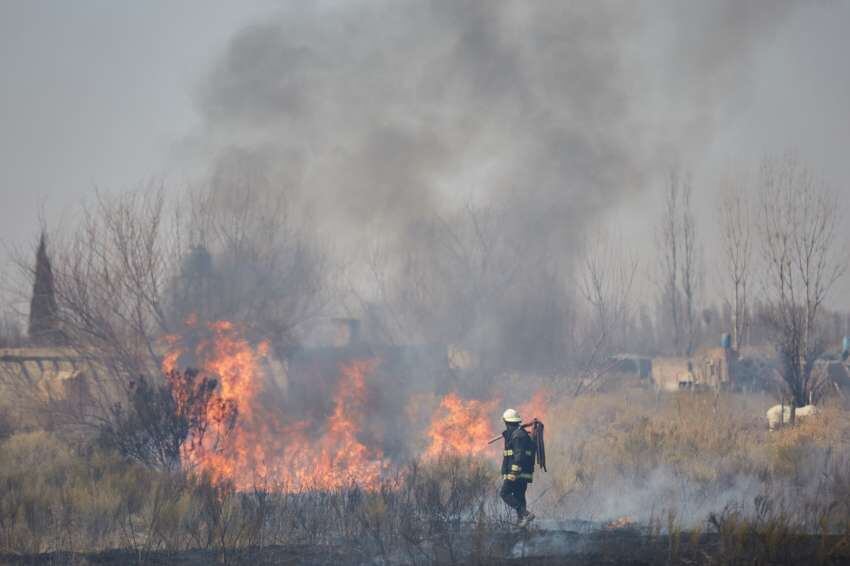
x: 735, y: 233
x: 123, y: 281
x: 462, y: 279
x: 110, y: 273
x: 109, y: 269
x: 607, y: 278
x: 679, y: 262
x: 797, y: 225
x: 669, y: 246
x: 690, y: 264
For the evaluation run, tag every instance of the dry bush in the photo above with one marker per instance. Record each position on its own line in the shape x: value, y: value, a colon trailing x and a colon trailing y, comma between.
x: 55, y: 499
x: 438, y: 499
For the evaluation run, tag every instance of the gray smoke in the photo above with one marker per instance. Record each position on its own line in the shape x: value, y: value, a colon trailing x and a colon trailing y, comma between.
x: 377, y: 116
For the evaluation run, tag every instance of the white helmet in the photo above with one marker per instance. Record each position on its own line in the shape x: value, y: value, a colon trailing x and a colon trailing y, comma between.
x: 511, y: 416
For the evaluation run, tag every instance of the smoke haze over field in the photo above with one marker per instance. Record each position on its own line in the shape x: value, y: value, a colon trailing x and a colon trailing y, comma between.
x: 377, y: 114
x: 374, y: 115
x: 435, y: 170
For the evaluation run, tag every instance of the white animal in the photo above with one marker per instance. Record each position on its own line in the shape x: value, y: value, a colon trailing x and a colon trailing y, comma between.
x: 776, y: 417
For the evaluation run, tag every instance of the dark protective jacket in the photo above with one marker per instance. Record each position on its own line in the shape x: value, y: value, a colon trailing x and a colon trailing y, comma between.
x: 518, y: 456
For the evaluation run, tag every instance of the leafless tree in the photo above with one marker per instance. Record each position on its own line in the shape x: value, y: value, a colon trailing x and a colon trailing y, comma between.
x: 123, y: 280
x: 735, y: 233
x: 110, y: 272
x: 109, y: 268
x: 606, y: 281
x: 797, y: 224
x: 691, y: 275
x: 606, y: 278
x: 669, y: 248
x: 679, y: 262
x: 462, y: 279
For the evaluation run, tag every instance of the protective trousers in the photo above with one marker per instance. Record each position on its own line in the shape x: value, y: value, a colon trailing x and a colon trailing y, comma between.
x: 513, y: 493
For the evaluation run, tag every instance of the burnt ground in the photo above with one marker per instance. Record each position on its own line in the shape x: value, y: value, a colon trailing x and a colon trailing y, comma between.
x: 547, y: 544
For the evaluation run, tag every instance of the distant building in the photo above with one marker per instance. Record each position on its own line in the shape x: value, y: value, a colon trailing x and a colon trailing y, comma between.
x: 672, y: 373
x: 714, y: 368
x: 34, y: 376
x: 709, y: 368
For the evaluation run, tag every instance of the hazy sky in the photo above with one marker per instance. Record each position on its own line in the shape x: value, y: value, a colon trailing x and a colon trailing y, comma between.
x: 108, y: 94
x: 100, y: 93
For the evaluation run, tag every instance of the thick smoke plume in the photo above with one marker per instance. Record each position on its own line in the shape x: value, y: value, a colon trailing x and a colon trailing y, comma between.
x: 383, y: 112
x: 385, y: 123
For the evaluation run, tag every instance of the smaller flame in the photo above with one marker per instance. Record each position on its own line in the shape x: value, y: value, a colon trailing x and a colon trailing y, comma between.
x: 338, y: 458
x: 537, y: 407
x: 461, y: 427
x: 172, y: 355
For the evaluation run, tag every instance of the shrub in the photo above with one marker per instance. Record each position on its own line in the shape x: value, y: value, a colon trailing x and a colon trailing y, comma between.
x: 160, y: 417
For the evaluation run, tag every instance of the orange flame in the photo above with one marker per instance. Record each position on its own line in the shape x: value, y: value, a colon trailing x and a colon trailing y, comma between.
x: 464, y: 427
x: 248, y: 440
x: 537, y: 407
x: 259, y: 449
x: 339, y: 458
x: 461, y: 427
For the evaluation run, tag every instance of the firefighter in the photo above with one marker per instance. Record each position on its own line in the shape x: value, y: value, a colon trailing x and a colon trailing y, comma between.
x: 517, y: 466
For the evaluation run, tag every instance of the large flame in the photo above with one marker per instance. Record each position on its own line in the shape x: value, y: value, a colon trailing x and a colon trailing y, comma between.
x: 241, y: 434
x: 248, y: 443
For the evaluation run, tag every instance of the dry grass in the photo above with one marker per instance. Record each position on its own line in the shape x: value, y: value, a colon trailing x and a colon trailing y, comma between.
x: 631, y: 444
x: 700, y: 462
x: 691, y: 468
x: 55, y: 499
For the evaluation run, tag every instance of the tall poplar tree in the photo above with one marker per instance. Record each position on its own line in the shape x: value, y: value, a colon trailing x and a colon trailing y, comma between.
x: 44, y: 314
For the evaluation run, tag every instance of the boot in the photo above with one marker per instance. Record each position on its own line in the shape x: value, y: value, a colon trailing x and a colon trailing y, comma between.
x: 526, y: 519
